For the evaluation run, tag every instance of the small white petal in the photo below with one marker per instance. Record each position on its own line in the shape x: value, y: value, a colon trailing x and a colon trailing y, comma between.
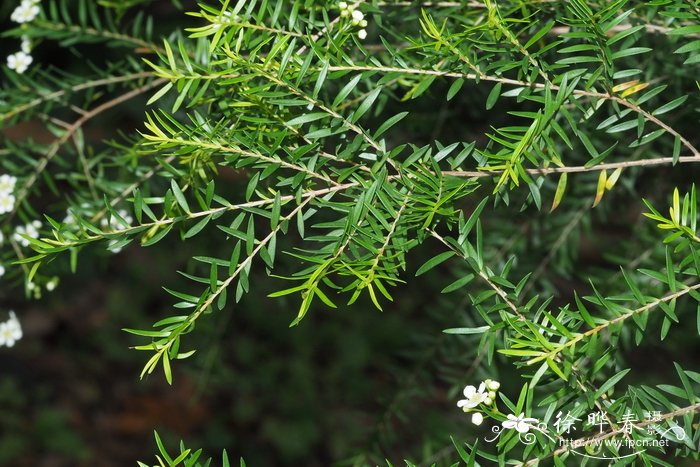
x: 522, y: 427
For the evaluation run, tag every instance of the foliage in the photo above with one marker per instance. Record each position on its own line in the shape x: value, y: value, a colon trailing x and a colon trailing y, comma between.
x: 273, y: 123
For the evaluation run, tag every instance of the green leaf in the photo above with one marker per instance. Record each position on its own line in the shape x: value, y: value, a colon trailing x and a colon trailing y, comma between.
x: 559, y: 194
x: 538, y: 35
x: 670, y: 106
x: 167, y: 371
x: 195, y: 229
x: 602, y: 179
x: 609, y: 383
x: 345, y: 92
x: 158, y: 236
x: 431, y: 263
x: 161, y: 92
x: 179, y: 196
x: 366, y: 104
x: 493, y: 96
x: 454, y: 88
x: 390, y: 122
x: 458, y: 284
x: 306, y: 118
x: 690, y: 47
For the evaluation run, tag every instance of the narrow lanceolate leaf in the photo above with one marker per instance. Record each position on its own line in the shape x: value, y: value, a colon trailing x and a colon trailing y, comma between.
x: 431, y: 263
x: 610, y: 383
x: 161, y: 92
x: 179, y: 196
x: 454, y: 88
x: 366, y: 105
x: 559, y: 194
x: 612, y: 179
x: 602, y: 179
x: 493, y: 96
x: 670, y: 106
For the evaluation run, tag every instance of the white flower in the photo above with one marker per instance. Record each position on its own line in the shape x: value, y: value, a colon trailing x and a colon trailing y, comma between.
x: 114, y: 223
x: 520, y: 423
x: 357, y: 16
x: 492, y: 385
x: 477, y: 418
x: 51, y: 285
x: 70, y: 218
x: 10, y: 331
x: 362, y: 34
x: 19, y: 61
x: 26, y: 44
x: 7, y: 202
x: 30, y: 230
x: 112, y: 246
x: 7, y: 183
x: 228, y: 17
x: 25, y: 12
x: 343, y: 5
x: 473, y: 397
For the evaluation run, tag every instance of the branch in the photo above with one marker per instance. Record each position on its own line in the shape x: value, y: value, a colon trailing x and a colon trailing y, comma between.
x: 514, y: 82
x: 53, y: 150
x: 609, y: 323
x: 501, y: 293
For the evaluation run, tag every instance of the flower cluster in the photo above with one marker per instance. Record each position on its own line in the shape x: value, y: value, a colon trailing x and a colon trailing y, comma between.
x: 357, y: 18
x: 10, y: 331
x: 7, y: 197
x: 24, y: 13
x: 114, y: 223
x: 473, y: 397
x: 486, y: 394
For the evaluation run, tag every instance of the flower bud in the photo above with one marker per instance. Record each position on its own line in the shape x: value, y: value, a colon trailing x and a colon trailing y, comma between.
x: 477, y: 418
